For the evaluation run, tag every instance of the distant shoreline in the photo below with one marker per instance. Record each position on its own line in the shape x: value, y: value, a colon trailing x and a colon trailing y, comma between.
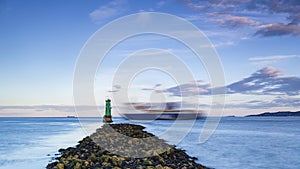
x: 280, y: 113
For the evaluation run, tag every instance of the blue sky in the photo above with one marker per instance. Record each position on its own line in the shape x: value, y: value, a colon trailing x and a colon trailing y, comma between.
x: 257, y: 42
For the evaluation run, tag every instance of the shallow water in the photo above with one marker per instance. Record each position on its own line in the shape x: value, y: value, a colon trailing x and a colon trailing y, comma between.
x: 238, y: 142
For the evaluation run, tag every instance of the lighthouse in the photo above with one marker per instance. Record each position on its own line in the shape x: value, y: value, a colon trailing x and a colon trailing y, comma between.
x: 107, y: 117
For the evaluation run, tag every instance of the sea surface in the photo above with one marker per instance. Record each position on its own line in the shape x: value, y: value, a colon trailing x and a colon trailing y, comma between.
x: 238, y: 142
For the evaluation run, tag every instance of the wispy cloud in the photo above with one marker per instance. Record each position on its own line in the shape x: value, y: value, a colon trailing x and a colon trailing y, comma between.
x: 239, y: 14
x: 107, y: 11
x: 278, y: 30
x: 116, y: 88
x: 267, y: 60
x: 273, y: 58
x: 237, y: 22
x: 266, y: 81
x: 160, y: 4
x: 265, y: 104
x: 223, y: 43
x: 189, y: 89
x: 154, y: 88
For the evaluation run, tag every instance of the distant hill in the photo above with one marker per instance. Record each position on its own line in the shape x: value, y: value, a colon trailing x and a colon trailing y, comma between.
x: 280, y: 113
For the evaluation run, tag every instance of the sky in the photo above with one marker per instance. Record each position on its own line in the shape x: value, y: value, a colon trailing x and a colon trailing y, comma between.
x: 257, y: 43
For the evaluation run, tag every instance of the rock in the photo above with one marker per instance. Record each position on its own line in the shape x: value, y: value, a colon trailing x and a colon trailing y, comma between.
x: 105, y: 158
x: 90, y: 155
x: 147, y: 162
x: 77, y: 166
x: 159, y: 166
x: 60, y: 166
x: 166, y: 167
x: 139, y: 167
x: 116, y: 161
x: 61, y: 150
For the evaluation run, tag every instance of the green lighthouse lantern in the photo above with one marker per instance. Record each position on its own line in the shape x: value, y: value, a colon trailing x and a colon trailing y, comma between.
x: 107, y: 108
x: 107, y: 117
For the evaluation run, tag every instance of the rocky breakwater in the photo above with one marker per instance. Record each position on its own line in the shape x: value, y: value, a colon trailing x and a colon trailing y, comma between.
x: 115, y: 146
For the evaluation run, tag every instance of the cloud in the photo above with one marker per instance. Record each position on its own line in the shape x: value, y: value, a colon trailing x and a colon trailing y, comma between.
x: 237, y: 22
x: 194, y: 17
x: 266, y: 81
x: 160, y: 4
x: 250, y: 13
x: 154, y: 88
x: 286, y: 102
x: 189, y: 89
x: 195, y: 6
x: 271, y: 59
x: 263, y: 104
x: 107, y: 11
x: 289, y: 7
x: 116, y: 88
x: 278, y: 30
x: 275, y: 57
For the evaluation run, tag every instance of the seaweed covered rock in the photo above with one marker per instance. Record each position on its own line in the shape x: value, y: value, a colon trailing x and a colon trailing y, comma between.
x: 91, y: 152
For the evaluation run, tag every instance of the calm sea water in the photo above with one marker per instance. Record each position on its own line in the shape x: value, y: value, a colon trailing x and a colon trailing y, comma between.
x: 238, y: 142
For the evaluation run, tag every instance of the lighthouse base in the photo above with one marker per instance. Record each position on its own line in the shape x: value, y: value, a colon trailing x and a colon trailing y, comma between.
x: 107, y: 119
